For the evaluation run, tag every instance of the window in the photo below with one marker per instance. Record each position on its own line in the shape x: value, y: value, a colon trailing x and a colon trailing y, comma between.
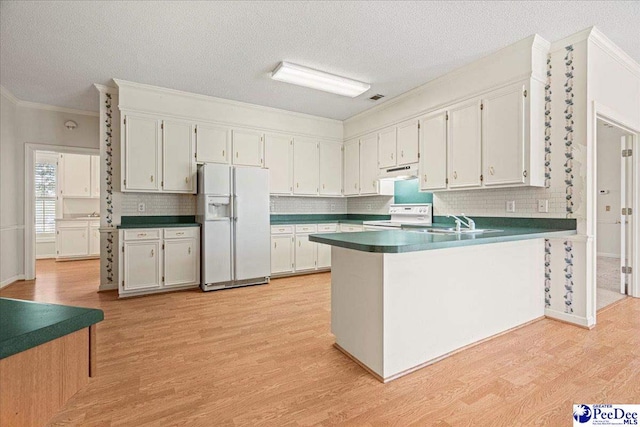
x: 45, y: 189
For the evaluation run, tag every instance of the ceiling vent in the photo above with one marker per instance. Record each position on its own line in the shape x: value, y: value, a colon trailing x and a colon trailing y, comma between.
x: 376, y: 97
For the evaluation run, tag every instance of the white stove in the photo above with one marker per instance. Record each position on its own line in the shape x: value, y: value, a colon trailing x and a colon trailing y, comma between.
x: 415, y: 214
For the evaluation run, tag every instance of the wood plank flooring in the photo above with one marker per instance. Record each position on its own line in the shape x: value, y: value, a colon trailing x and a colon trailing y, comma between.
x: 264, y: 355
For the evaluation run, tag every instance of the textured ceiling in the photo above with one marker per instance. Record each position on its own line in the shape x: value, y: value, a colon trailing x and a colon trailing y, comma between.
x: 52, y: 52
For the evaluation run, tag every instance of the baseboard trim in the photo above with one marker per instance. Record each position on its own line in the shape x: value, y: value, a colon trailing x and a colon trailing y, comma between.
x: 583, y: 322
x: 107, y: 287
x: 11, y: 280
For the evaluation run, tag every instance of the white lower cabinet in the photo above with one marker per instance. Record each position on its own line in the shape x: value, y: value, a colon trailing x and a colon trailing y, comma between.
x: 324, y: 251
x: 94, y: 239
x: 157, y: 259
x: 292, y: 252
x: 282, y: 253
x: 305, y: 253
x: 77, y: 239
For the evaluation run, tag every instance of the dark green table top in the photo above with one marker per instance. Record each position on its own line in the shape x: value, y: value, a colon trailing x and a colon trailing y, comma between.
x: 27, y: 324
x: 401, y: 241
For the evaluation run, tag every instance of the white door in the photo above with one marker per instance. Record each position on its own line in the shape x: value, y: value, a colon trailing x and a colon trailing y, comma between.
x: 95, y: 176
x: 141, y: 265
x: 141, y: 153
x: 252, y: 227
x: 305, y: 166
x: 305, y: 253
x: 94, y: 240
x: 281, y: 254
x: 408, y: 142
x: 324, y: 255
x: 351, y: 169
x: 433, y: 149
x: 278, y: 158
x: 503, y: 137
x: 72, y: 241
x: 212, y: 144
x: 369, y: 164
x: 76, y: 175
x: 179, y: 164
x: 464, y: 146
x: 180, y: 262
x: 330, y: 169
x: 387, y: 148
x: 247, y: 147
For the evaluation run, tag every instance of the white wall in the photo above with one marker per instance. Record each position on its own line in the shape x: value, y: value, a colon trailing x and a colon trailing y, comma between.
x: 609, y: 177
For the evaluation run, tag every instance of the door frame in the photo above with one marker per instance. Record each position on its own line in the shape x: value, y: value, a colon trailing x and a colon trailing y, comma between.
x: 610, y: 115
x: 30, y: 195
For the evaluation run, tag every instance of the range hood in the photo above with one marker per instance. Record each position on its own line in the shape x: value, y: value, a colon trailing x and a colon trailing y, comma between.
x: 397, y: 173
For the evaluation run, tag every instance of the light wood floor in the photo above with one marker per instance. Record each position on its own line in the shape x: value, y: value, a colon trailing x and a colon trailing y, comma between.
x: 264, y: 356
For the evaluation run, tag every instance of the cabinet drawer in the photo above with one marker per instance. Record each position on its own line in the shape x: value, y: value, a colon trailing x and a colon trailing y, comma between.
x: 346, y: 228
x: 306, y: 228
x: 327, y: 228
x: 142, y: 234
x: 181, y: 233
x: 282, y: 229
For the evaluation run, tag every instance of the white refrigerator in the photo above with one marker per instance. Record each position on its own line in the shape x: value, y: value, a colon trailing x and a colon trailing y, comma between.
x: 233, y: 208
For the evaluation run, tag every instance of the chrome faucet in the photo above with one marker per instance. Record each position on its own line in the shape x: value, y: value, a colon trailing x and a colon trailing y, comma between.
x: 470, y: 224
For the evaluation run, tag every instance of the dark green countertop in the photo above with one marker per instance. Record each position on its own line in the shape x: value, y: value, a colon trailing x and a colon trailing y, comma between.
x: 27, y: 324
x: 150, y: 221
x: 281, y: 219
x: 393, y: 241
x: 319, y: 221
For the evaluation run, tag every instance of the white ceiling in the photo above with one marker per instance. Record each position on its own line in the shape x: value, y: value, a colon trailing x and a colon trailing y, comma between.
x: 52, y: 52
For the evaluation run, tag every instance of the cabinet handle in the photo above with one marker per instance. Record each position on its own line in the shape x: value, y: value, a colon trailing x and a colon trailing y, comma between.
x: 425, y: 177
x: 151, y: 178
x: 391, y: 156
x: 180, y: 233
x: 142, y: 234
x: 455, y: 175
x: 222, y: 153
x: 355, y: 186
x: 275, y: 245
x: 153, y: 252
x: 374, y: 183
x: 402, y: 153
x: 491, y: 170
x: 189, y: 250
x: 299, y: 243
x: 323, y: 186
x: 186, y: 179
x: 236, y: 154
x: 297, y: 184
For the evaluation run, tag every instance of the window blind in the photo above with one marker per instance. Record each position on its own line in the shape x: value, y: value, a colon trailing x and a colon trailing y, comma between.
x: 45, y: 189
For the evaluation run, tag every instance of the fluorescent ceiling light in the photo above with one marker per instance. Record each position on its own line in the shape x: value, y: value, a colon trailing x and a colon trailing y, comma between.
x: 303, y: 76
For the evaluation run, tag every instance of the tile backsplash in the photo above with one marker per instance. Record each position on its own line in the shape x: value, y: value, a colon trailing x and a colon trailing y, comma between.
x: 378, y: 205
x: 158, y: 204
x: 492, y: 202
x: 308, y: 205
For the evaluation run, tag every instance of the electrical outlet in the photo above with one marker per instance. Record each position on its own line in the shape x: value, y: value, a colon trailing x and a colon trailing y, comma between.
x: 368, y: 206
x: 511, y: 206
x: 272, y: 206
x: 333, y: 207
x: 607, y: 208
x: 141, y: 207
x: 543, y: 205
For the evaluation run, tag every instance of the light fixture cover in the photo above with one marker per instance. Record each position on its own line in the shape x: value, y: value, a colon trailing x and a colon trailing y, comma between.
x: 303, y: 76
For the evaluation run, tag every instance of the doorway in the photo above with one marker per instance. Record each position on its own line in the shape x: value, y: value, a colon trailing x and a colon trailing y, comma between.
x: 615, y: 193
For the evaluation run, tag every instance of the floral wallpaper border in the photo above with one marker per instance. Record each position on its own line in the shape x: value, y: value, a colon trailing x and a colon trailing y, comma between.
x: 547, y: 126
x: 568, y: 277
x: 547, y: 273
x: 569, y: 122
x: 108, y: 122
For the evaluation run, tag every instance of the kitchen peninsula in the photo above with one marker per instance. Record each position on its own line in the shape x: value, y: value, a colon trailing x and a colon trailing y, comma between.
x: 401, y: 300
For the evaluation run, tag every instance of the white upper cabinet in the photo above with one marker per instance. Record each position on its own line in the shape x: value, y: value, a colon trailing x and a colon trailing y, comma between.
x: 433, y: 149
x: 387, y: 148
x: 305, y: 166
x: 247, y: 147
x: 369, y: 164
x: 179, y: 165
x: 351, y: 168
x: 278, y: 158
x: 76, y: 175
x: 408, y: 142
x: 141, y: 154
x: 464, y: 145
x: 95, y: 176
x: 330, y: 169
x: 212, y: 144
x: 503, y: 140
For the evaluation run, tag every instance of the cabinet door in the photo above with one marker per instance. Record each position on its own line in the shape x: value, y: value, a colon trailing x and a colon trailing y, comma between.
x: 351, y: 168
x: 433, y: 149
x: 278, y: 158
x: 305, y: 253
x: 305, y: 166
x: 141, y: 265
x: 408, y: 142
x: 212, y: 144
x: 180, y: 262
x: 387, y: 148
x: 76, y: 175
x: 503, y: 138
x: 324, y: 255
x: 179, y: 166
x: 247, y: 148
x: 141, y: 154
x: 369, y: 165
x: 464, y: 146
x: 94, y: 240
x: 281, y: 254
x: 72, y: 241
x: 330, y: 169
x: 95, y: 176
